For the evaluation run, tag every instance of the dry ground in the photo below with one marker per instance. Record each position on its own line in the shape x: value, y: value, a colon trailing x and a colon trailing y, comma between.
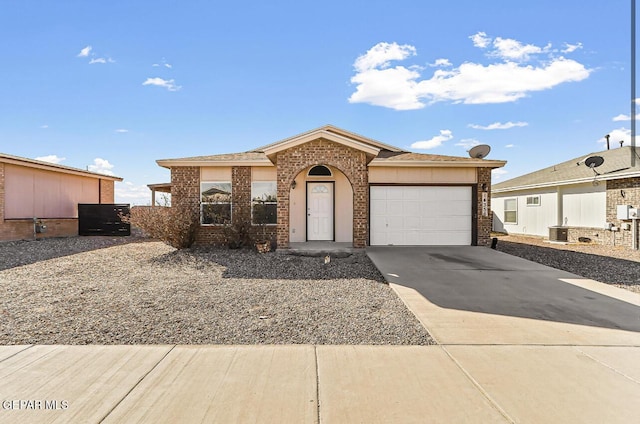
x: 611, y: 265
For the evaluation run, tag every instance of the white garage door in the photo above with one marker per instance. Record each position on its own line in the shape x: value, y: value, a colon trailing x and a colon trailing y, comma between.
x: 419, y: 215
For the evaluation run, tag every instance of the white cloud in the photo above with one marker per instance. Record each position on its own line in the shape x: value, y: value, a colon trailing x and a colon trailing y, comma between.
x: 101, y: 60
x: 498, y: 173
x: 433, y: 142
x: 163, y: 64
x: 379, y: 56
x: 101, y: 166
x: 45, y: 126
x: 622, y: 117
x: 401, y: 88
x: 168, y: 84
x: 51, y: 158
x: 508, y: 146
x: 122, y: 130
x: 570, y: 48
x: 128, y: 192
x: 85, y: 52
x: 480, y: 40
x: 468, y: 143
x: 441, y: 63
x: 616, y: 136
x: 510, y: 49
x: 499, y: 125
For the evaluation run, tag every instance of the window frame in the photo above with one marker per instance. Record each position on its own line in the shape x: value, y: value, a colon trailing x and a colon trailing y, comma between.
x: 202, y: 204
x: 534, y: 204
x: 515, y: 200
x: 254, y: 202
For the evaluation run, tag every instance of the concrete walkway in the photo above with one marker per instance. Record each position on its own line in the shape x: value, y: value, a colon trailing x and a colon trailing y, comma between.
x: 489, y: 368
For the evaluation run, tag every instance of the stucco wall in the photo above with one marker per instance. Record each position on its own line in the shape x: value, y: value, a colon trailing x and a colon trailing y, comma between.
x: 343, y: 206
x: 38, y: 193
x: 52, y: 197
x: 421, y: 175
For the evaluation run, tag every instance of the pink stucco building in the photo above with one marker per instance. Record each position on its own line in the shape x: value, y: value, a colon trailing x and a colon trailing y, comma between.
x: 50, y: 192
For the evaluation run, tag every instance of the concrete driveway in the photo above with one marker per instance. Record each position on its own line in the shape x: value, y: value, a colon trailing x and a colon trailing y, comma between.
x: 542, y: 345
x: 492, y: 297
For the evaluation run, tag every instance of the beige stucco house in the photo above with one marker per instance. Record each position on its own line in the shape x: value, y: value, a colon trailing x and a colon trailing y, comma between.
x: 333, y: 185
x: 48, y: 192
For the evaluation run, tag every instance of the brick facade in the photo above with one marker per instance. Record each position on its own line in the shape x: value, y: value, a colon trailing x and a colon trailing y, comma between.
x: 185, y: 191
x: 290, y: 162
x: 351, y: 162
x: 631, y: 189
x: 484, y: 223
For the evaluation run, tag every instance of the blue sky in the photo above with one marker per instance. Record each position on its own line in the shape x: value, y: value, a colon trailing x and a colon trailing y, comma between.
x: 113, y: 86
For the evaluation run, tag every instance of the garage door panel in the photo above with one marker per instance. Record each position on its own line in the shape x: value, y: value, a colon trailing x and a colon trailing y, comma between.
x: 394, y: 207
x: 378, y: 208
x: 421, y: 215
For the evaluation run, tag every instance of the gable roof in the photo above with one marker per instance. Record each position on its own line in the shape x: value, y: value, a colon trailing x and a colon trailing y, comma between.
x: 328, y: 130
x: 48, y: 166
x: 617, y: 164
x: 381, y: 153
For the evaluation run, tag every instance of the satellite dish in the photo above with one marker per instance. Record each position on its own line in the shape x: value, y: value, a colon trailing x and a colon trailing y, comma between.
x: 480, y: 152
x: 594, y: 161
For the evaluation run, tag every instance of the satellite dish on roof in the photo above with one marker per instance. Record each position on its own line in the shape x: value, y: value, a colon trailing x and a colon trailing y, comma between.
x: 480, y: 152
x: 594, y: 161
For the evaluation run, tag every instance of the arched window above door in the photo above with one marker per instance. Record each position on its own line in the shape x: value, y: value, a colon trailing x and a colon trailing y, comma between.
x: 319, y: 171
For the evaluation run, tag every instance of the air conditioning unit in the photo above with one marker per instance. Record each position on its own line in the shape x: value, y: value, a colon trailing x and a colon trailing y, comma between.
x: 558, y: 233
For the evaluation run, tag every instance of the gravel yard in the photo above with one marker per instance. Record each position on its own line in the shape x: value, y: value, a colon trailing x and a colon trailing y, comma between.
x: 611, y: 265
x: 109, y: 291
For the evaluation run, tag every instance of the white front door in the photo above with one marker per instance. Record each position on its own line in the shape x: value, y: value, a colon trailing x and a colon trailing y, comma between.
x: 319, y: 211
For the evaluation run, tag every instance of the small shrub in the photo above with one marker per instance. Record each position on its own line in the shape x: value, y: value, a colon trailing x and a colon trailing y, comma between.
x: 174, y: 225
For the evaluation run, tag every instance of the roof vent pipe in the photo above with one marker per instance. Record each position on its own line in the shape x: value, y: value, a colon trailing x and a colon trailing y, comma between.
x: 607, y: 137
x: 621, y: 143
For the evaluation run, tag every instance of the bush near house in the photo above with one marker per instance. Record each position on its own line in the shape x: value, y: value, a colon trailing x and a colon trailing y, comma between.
x: 176, y: 226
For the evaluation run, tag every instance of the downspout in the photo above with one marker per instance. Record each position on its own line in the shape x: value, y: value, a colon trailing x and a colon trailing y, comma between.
x: 99, y: 190
x: 559, y: 210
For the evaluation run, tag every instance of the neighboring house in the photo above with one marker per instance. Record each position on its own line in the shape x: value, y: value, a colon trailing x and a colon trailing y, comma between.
x: 572, y: 196
x: 330, y: 184
x: 48, y: 192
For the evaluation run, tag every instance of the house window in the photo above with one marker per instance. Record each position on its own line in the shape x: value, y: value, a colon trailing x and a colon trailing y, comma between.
x: 533, y: 200
x: 510, y: 211
x: 320, y: 171
x: 264, y: 202
x: 215, y: 203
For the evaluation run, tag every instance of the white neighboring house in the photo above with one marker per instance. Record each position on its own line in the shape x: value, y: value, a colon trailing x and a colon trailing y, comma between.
x: 571, y: 196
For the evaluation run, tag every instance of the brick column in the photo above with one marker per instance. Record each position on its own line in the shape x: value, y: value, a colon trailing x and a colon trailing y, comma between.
x: 484, y: 223
x: 185, y: 187
x: 241, y: 193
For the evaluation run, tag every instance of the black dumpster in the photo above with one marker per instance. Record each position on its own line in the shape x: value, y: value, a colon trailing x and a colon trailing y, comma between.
x: 103, y: 219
